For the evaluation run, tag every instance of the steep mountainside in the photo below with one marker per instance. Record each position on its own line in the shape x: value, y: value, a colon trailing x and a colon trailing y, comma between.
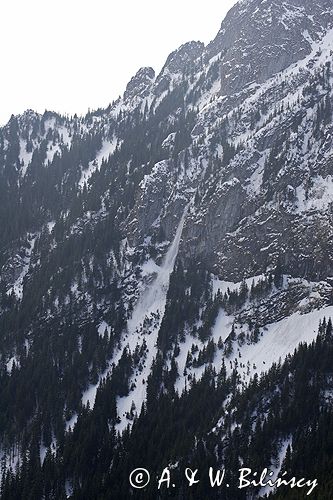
x: 169, y: 250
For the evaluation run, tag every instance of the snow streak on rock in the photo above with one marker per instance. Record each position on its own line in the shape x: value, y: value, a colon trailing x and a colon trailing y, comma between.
x: 150, y: 306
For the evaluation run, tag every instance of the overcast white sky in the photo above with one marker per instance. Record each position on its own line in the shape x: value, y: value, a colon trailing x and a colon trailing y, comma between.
x: 69, y: 55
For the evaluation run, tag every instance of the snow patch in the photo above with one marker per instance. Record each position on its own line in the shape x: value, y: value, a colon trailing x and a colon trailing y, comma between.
x: 107, y: 149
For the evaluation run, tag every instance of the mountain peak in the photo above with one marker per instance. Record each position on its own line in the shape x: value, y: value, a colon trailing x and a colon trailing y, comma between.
x: 140, y: 83
x: 259, y: 38
x: 180, y: 58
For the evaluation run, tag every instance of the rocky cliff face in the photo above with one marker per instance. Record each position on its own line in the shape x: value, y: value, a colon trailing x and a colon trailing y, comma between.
x: 140, y: 84
x: 256, y: 94
x: 260, y: 38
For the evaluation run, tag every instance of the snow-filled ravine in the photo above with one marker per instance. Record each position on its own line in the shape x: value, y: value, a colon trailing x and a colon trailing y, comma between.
x: 150, y: 306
